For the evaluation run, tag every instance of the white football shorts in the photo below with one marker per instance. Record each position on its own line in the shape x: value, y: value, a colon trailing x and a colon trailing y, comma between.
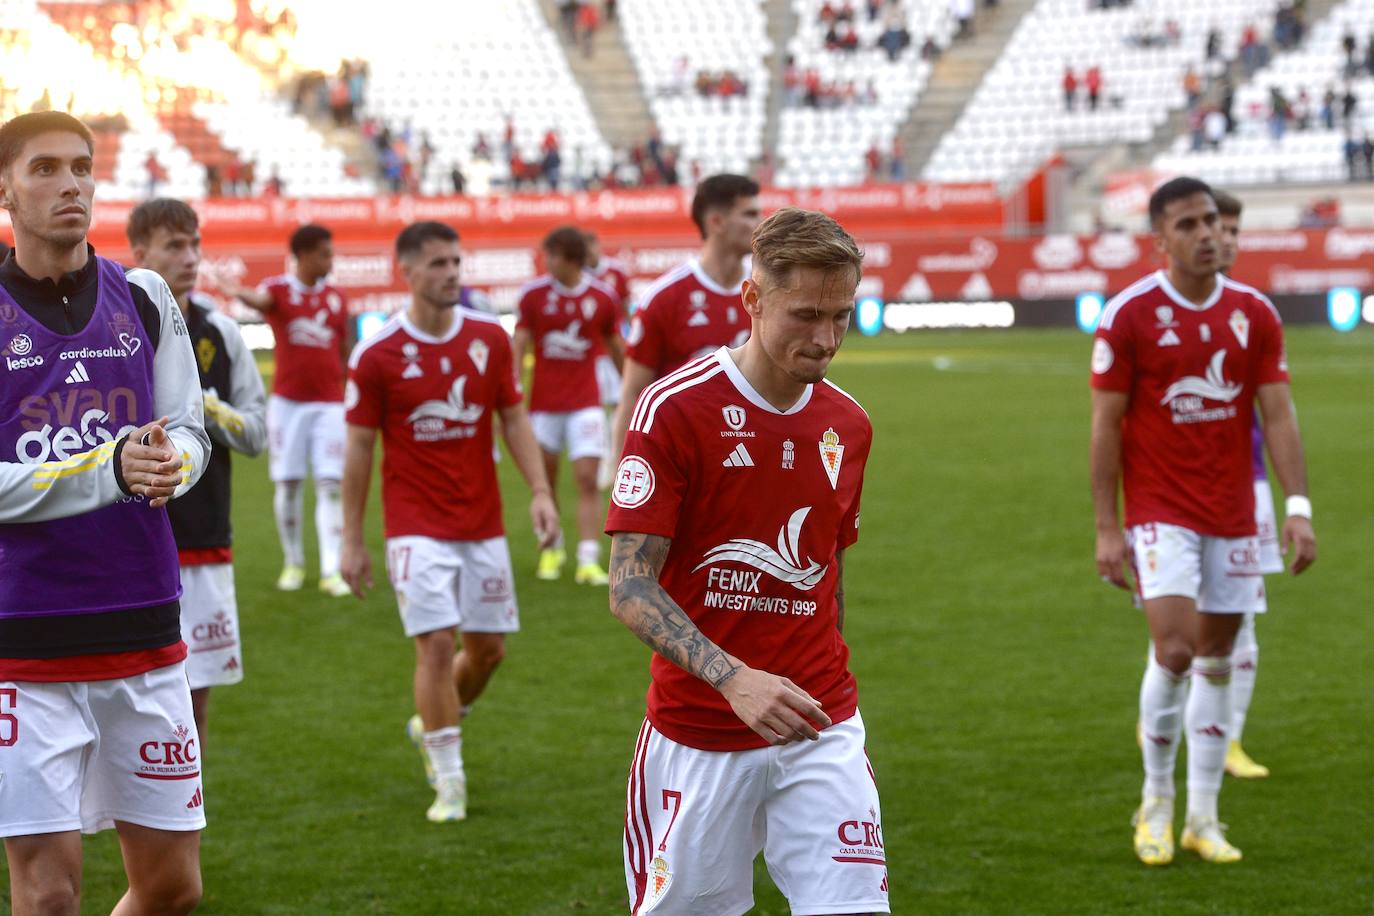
x: 695, y: 821
x: 83, y: 754
x: 1271, y: 554
x: 582, y: 432
x: 608, y: 380
x: 443, y: 584
x: 1221, y: 574
x: 303, y: 436
x: 210, y: 625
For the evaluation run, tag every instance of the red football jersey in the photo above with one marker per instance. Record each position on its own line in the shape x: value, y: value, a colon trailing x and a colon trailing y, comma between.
x: 616, y: 276
x: 1191, y: 372
x: 309, y: 324
x: 684, y: 315
x: 566, y: 325
x: 433, y: 398
x: 756, y: 502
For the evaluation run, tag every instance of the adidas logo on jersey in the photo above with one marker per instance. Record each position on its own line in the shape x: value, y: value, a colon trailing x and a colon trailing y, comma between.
x: 1169, y: 339
x: 739, y: 458
x: 78, y: 374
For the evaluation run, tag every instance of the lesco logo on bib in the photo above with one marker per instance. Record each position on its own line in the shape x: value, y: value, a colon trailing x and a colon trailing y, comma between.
x: 634, y: 483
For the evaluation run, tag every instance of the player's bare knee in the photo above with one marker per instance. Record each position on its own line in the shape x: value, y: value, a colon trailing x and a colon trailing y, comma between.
x: 1175, y: 655
x: 434, y: 650
x: 50, y: 898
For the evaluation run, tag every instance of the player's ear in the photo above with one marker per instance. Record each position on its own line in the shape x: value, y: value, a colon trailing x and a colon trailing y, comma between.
x: 753, y: 297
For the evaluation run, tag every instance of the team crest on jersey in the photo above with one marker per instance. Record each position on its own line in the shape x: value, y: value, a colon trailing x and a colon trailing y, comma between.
x: 832, y: 455
x: 660, y: 878
x: 734, y: 417
x: 477, y: 352
x: 789, y: 454
x: 588, y: 307
x: 410, y: 352
x: 334, y: 302
x: 634, y: 482
x: 1165, y: 314
x: 697, y: 299
x: 1240, y: 326
x: 8, y: 313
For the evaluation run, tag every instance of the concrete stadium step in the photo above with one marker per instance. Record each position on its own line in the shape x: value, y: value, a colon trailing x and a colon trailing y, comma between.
x: 609, y: 80
x: 954, y: 79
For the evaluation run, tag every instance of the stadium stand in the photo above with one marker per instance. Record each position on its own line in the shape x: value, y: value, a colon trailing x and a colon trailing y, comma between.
x: 683, y: 53
x: 1302, y: 136
x: 842, y: 103
x: 1018, y: 116
x: 478, y: 72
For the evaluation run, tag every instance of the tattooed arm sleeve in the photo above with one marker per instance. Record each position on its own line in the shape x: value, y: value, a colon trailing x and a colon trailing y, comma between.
x: 640, y: 602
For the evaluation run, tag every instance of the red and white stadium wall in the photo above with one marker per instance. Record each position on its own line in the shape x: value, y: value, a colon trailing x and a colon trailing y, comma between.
x: 923, y: 243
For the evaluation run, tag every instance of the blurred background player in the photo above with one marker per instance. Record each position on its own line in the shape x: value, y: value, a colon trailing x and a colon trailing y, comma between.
x: 562, y: 316
x: 430, y: 381
x: 695, y: 308
x: 305, y: 422
x: 91, y: 658
x: 1245, y: 655
x: 1178, y: 361
x: 614, y: 275
x: 753, y: 740
x: 164, y: 235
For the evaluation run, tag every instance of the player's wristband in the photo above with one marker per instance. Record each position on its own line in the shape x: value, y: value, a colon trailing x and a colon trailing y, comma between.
x: 1297, y: 507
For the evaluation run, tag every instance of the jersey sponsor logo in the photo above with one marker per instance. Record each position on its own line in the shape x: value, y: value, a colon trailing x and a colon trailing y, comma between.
x: 478, y: 353
x: 1103, y: 357
x: 1240, y: 326
x: 65, y: 423
x: 1187, y: 396
x: 634, y: 483
x: 311, y: 331
x: 78, y: 374
x: 217, y: 634
x: 861, y: 840
x: 21, y: 346
x: 567, y: 343
x: 832, y: 455
x: 175, y: 759
x: 429, y: 421
x: 739, y: 458
x: 121, y: 352
x: 783, y: 563
x: 734, y: 416
x: 1169, y: 339
x: 789, y: 454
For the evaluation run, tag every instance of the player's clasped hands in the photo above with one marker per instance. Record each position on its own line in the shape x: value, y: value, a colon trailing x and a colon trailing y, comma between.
x: 150, y: 465
x: 1299, y: 543
x: 774, y: 707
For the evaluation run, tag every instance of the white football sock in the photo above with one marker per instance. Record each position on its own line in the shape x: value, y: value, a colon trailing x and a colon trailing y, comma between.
x: 328, y: 525
x: 286, y: 505
x: 1161, y: 717
x: 1208, y: 720
x: 1244, y: 667
x: 444, y: 748
x: 588, y: 552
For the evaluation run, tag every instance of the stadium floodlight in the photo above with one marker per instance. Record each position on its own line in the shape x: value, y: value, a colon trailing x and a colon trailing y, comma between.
x: 1089, y: 310
x: 1343, y: 308
x: 868, y: 314
x: 1369, y: 309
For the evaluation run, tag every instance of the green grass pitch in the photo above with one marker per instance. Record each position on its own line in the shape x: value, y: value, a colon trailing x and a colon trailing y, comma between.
x: 998, y: 678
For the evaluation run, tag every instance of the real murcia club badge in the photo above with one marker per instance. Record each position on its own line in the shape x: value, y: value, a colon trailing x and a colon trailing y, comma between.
x: 660, y: 877
x: 477, y: 352
x: 832, y: 453
x: 1240, y: 326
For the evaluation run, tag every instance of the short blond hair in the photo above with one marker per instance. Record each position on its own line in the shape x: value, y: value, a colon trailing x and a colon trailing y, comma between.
x: 793, y: 237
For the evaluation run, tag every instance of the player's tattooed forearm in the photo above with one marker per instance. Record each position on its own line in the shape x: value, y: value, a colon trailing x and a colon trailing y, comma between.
x: 717, y: 669
x: 642, y: 604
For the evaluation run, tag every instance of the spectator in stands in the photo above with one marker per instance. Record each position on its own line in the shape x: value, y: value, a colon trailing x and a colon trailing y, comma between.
x: 508, y: 138
x: 1367, y: 154
x: 1192, y: 87
x: 929, y: 49
x: 1196, y: 117
x: 1092, y: 81
x: 849, y: 39
x: 248, y: 177
x: 610, y: 10
x: 1228, y: 103
x: 588, y: 24
x: 1173, y: 32
x: 874, y: 8
x: 1349, y: 103
x: 792, y: 82
x: 156, y: 173
x: 339, y: 104
x: 481, y: 149
x: 895, y: 38
x: 552, y: 167
x: 1214, y: 126
x: 1369, y: 56
x: 274, y: 186
x: 1348, y: 46
x: 846, y: 13
x: 827, y: 13
x: 1302, y: 111
x: 812, y: 85
x: 1070, y: 84
x: 427, y: 151
x: 873, y: 159
x: 214, y: 186
x: 1328, y: 109
x: 1213, y: 43
x: 459, y: 181
x: 896, y: 161
x: 1252, y: 53
x: 1352, y: 156
x: 962, y: 11
x: 567, y: 17
x: 1279, y: 112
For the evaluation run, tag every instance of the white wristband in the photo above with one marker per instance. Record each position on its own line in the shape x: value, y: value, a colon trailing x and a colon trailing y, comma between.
x: 1297, y: 507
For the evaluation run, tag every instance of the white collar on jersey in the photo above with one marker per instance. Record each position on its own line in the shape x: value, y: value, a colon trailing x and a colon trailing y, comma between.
x: 1178, y: 297
x: 727, y: 362
x: 577, y: 290
x: 694, y: 265
x: 421, y: 336
x: 295, y: 283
